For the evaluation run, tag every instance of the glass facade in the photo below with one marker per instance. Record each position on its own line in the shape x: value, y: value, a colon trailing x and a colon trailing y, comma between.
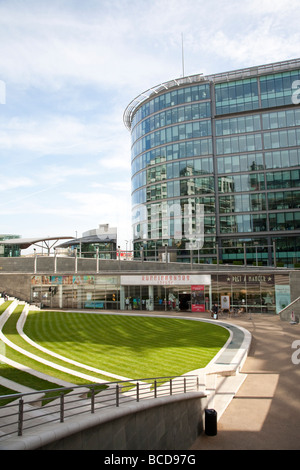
x: 230, y: 143
x: 255, y: 292
x: 9, y: 250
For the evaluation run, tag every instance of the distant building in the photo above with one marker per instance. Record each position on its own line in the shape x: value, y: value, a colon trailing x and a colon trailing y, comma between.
x: 102, y: 240
x: 9, y: 250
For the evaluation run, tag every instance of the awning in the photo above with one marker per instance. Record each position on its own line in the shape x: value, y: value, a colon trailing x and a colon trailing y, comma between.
x: 24, y: 243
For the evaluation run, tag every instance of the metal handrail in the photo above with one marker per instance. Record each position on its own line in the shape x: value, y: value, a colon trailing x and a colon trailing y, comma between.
x: 34, y: 409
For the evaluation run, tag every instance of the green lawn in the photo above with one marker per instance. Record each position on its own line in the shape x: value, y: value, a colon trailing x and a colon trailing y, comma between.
x: 10, y: 332
x: 131, y: 346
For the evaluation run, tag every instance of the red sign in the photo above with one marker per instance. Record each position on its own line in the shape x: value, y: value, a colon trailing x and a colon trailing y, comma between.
x: 198, y: 308
x: 198, y: 302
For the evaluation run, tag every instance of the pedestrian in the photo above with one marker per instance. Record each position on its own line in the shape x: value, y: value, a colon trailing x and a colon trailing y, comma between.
x: 215, y: 311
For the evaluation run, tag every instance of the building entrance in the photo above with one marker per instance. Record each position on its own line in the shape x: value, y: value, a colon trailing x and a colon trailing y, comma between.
x: 180, y: 292
x: 184, y: 301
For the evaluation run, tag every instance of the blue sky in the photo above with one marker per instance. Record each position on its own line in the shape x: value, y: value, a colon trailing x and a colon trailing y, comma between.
x: 70, y: 68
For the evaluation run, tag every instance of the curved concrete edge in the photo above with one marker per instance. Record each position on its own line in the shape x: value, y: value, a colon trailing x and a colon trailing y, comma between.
x: 222, y: 377
x: 225, y: 380
x: 241, y: 354
x: 238, y: 356
x: 54, y: 432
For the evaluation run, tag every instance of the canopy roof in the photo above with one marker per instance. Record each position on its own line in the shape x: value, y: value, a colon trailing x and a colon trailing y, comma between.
x: 98, y: 238
x: 24, y: 243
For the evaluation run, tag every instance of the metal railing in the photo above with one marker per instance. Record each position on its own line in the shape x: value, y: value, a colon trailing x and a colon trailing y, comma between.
x: 35, y: 409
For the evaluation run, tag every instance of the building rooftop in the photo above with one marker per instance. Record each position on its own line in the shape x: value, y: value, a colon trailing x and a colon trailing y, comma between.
x: 27, y: 242
x: 215, y: 78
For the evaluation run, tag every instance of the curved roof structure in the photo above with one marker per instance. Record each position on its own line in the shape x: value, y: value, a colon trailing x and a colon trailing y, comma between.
x: 24, y: 243
x: 218, y: 77
x: 97, y: 238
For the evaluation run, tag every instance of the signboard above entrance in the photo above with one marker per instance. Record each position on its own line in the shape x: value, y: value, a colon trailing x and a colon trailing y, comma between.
x: 248, y: 278
x: 166, y: 279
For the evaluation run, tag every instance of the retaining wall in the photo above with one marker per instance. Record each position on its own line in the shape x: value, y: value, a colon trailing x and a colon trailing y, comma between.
x: 291, y: 312
x: 166, y: 423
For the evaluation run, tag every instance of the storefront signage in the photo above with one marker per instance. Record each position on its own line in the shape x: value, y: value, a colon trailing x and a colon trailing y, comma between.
x: 166, y: 279
x: 198, y: 302
x: 72, y: 280
x: 225, y: 302
x: 248, y: 278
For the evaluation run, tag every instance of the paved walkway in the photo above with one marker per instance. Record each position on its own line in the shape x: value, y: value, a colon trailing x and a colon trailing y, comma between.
x: 265, y: 413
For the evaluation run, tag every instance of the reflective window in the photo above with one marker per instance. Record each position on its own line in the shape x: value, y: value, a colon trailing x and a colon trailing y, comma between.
x: 139, y: 197
x: 240, y: 183
x: 238, y: 125
x: 238, y: 163
x: 243, y: 223
x: 178, y: 169
x: 289, y: 118
x: 284, y: 200
x: 242, y: 203
x: 192, y: 148
x: 277, y: 139
x: 245, y: 143
x: 172, y: 134
x: 276, y: 89
x: 183, y: 187
x: 172, y: 116
x: 172, y: 98
x: 285, y: 221
x: 236, y: 96
x: 283, y: 179
x: 282, y: 158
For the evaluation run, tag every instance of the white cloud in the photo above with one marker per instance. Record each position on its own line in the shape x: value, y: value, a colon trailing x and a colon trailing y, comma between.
x: 70, y: 69
x: 50, y: 134
x: 14, y: 183
x: 104, y: 207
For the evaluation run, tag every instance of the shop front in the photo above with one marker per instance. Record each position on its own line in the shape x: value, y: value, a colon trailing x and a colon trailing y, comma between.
x: 166, y: 292
x: 251, y: 292
x: 76, y: 291
x: 236, y: 291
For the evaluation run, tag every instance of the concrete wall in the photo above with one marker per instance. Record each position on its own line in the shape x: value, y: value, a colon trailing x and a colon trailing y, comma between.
x: 291, y: 312
x: 166, y: 423
x: 169, y: 423
x: 294, y: 307
x: 295, y: 284
x: 16, y: 285
x: 66, y: 265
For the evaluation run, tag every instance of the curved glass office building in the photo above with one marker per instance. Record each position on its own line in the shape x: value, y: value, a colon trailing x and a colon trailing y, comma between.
x: 215, y: 167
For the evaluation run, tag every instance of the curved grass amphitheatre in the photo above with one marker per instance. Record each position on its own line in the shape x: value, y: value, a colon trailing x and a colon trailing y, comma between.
x: 78, y: 347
